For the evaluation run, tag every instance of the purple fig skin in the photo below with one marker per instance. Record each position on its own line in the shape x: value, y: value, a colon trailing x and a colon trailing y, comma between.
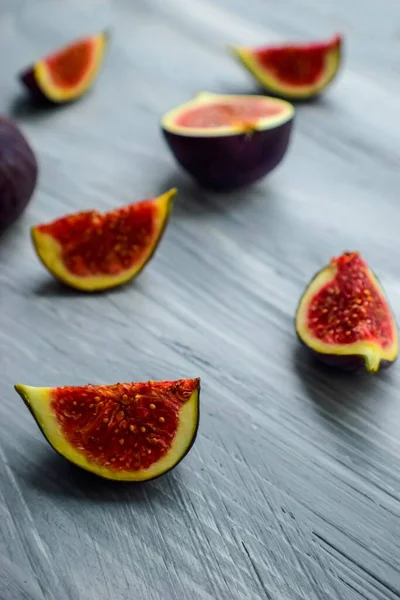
x: 29, y: 81
x: 349, y: 364
x: 226, y: 163
x: 18, y: 172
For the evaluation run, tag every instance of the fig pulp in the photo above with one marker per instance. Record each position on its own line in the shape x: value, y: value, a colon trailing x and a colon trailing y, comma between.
x: 68, y: 73
x: 293, y: 71
x: 226, y: 142
x: 93, y: 251
x: 125, y: 432
x: 344, y: 317
x: 18, y: 172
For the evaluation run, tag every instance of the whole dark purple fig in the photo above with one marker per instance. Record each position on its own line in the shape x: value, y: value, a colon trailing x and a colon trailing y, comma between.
x: 18, y: 172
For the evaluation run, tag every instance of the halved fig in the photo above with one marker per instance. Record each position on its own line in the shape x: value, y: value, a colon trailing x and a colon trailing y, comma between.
x: 94, y: 251
x: 67, y: 74
x: 125, y: 432
x: 344, y: 317
x: 226, y: 142
x: 294, y: 71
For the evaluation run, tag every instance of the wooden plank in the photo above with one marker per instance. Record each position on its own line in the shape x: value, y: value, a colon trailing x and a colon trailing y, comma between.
x: 292, y: 489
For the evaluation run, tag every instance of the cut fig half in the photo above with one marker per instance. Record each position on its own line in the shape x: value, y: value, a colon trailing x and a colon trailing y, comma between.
x: 217, y: 115
x: 124, y: 432
x: 344, y: 317
x: 94, y: 251
x: 67, y: 74
x: 226, y: 142
x: 293, y: 71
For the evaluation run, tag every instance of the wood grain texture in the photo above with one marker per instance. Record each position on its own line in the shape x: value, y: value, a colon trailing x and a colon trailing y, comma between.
x: 292, y: 491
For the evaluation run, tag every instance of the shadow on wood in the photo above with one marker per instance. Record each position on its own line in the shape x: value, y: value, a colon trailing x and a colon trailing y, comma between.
x: 52, y: 288
x: 321, y: 382
x: 54, y: 476
x: 6, y: 235
x: 26, y: 107
x: 193, y: 199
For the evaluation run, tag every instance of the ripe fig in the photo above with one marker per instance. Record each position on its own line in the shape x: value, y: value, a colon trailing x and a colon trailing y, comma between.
x: 67, y: 74
x: 93, y: 251
x: 18, y: 172
x: 124, y: 432
x: 226, y: 142
x: 294, y: 71
x: 344, y: 317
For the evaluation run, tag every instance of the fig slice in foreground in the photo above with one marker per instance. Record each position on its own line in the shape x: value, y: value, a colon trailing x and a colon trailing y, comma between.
x: 344, y: 317
x: 93, y: 251
x: 293, y: 71
x: 226, y: 142
x: 125, y: 432
x: 67, y: 74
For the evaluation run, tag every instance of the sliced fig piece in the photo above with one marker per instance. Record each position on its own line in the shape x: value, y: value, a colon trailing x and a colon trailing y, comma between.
x: 345, y: 319
x: 294, y: 71
x: 18, y: 172
x: 94, y: 251
x: 67, y: 74
x: 226, y: 142
x: 125, y: 432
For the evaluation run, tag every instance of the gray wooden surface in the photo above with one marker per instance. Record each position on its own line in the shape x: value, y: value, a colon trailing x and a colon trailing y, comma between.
x: 292, y: 490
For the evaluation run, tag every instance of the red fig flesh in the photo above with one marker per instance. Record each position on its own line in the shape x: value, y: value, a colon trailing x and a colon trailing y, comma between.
x: 93, y: 251
x: 294, y: 71
x: 344, y: 316
x: 68, y: 73
x: 125, y: 432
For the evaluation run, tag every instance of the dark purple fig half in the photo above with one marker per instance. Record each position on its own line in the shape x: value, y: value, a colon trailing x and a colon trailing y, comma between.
x: 18, y: 172
x: 227, y: 142
x: 344, y: 317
